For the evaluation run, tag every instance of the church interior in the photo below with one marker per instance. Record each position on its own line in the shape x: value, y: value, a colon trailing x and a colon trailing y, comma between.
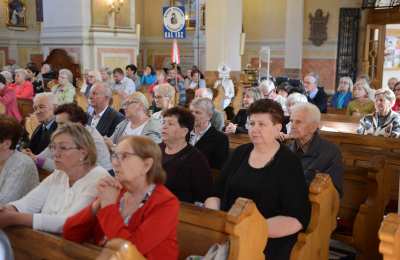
x: 200, y: 129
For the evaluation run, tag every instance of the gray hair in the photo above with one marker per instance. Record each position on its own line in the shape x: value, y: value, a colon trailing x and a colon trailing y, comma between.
x: 67, y: 73
x: 296, y: 98
x: 365, y: 85
x: 106, y: 70
x: 312, y: 111
x: 267, y: 85
x: 96, y: 73
x: 349, y: 81
x: 106, y: 86
x: 315, y: 76
x: 49, y: 95
x: 255, y: 93
x: 7, y: 75
x: 205, y: 92
x: 205, y: 104
x: 387, y: 94
x: 21, y: 71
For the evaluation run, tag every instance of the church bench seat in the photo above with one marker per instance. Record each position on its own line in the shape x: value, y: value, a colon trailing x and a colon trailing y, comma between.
x: 29, y: 244
x: 2, y: 108
x: 25, y: 106
x: 389, y: 236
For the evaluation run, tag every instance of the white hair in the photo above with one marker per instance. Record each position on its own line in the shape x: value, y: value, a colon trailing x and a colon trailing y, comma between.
x: 205, y: 92
x: 21, y: 71
x: 49, y: 95
x: 106, y: 86
x: 67, y: 73
x: 267, y: 85
x: 387, y: 94
x: 296, y: 98
x: 312, y: 111
x: 205, y: 104
x: 7, y: 75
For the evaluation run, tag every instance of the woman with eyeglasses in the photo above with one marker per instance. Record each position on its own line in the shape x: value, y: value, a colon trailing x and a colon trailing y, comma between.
x: 137, y: 121
x: 71, y: 187
x: 396, y: 90
x: 135, y: 205
x: 268, y: 173
x: 164, y: 97
x: 384, y: 121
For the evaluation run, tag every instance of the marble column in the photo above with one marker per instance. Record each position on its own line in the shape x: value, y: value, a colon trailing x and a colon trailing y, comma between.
x: 294, y: 37
x: 223, y: 29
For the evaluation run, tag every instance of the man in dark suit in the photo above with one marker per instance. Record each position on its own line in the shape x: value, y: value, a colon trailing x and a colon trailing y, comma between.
x: 211, y: 142
x: 104, y: 118
x: 315, y: 95
x: 44, y: 105
x: 316, y: 154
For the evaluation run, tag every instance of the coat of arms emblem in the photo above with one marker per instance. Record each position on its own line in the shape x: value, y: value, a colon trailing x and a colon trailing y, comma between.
x: 318, y: 27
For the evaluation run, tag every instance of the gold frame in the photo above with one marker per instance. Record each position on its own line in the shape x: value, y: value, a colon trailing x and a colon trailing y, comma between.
x: 22, y: 27
x: 190, y: 26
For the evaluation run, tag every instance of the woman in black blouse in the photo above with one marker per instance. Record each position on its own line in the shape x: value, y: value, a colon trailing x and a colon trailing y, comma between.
x: 188, y: 172
x: 269, y: 174
x: 238, y: 123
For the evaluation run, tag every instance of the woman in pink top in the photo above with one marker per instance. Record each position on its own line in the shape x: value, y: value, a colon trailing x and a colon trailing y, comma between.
x: 8, y: 99
x: 23, y: 88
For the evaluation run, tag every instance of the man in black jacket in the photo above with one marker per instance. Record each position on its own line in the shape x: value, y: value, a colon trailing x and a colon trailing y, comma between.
x: 317, y: 155
x: 104, y: 118
x: 315, y: 95
x: 44, y: 105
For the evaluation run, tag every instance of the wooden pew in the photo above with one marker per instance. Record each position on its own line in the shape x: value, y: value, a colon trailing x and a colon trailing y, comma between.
x: 389, y: 235
x: 25, y: 106
x: 2, y: 108
x: 82, y: 101
x: 116, y: 101
x: 31, y: 123
x: 336, y: 111
x: 339, y: 123
x: 29, y: 244
x: 314, y: 242
x: 243, y: 226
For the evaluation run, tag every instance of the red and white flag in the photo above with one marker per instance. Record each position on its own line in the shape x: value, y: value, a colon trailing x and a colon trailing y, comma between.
x: 175, y: 53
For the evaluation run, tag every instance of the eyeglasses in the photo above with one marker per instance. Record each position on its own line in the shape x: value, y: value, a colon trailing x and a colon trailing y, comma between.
x: 128, y: 102
x: 61, y: 148
x: 39, y: 107
x: 121, y: 156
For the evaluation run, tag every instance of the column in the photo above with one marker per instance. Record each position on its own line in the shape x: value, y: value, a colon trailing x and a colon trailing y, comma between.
x: 294, y: 37
x: 223, y: 29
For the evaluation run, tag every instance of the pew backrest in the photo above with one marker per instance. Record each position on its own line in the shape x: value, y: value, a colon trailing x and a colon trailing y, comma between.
x: 243, y: 226
x: 389, y: 235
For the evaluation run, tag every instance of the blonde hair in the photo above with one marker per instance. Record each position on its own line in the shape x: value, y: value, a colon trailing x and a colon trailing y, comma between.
x: 138, y: 96
x: 365, y: 85
x: 81, y: 138
x: 387, y: 94
x: 146, y: 148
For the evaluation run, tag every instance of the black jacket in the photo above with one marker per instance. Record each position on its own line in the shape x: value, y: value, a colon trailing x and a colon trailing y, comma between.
x: 320, y: 100
x: 41, y: 138
x: 108, y: 121
x: 215, y: 146
x: 322, y: 157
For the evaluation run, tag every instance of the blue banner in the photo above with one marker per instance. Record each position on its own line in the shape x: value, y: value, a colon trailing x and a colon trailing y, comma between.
x: 174, y: 22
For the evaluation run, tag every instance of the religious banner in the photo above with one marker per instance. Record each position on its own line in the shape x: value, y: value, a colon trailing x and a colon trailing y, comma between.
x: 174, y: 22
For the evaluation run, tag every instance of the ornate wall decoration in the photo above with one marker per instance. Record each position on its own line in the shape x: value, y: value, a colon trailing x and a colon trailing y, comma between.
x: 318, y: 27
x: 16, y: 14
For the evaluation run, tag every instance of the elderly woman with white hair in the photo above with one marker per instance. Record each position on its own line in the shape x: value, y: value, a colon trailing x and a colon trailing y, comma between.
x: 362, y: 102
x: 268, y: 89
x: 91, y: 78
x: 64, y: 91
x: 238, y: 123
x: 342, y: 97
x: 384, y: 121
x: 164, y: 97
x: 137, y: 120
x: 292, y: 100
x: 23, y: 88
x: 106, y: 75
x: 211, y: 142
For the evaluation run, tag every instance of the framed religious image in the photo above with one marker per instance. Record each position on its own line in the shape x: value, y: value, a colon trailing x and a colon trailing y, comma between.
x: 190, y: 12
x: 16, y: 14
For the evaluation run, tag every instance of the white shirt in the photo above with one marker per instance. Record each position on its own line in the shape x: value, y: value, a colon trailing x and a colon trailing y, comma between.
x: 53, y: 200
x: 134, y: 131
x: 194, y: 138
x: 157, y: 115
x: 126, y: 85
x: 96, y: 118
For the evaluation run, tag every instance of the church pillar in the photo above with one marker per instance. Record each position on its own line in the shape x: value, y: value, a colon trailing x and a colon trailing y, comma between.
x: 223, y: 29
x: 294, y: 37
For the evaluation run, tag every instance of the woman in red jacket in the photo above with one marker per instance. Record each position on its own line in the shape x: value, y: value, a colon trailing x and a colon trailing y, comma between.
x: 134, y: 206
x: 23, y: 88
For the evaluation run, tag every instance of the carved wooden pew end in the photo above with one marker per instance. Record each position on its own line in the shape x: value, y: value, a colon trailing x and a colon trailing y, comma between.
x: 389, y: 235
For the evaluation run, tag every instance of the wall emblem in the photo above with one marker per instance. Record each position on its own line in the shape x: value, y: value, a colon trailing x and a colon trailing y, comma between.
x: 318, y: 27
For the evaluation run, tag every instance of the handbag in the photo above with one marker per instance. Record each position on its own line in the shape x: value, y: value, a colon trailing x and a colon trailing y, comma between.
x: 215, y: 252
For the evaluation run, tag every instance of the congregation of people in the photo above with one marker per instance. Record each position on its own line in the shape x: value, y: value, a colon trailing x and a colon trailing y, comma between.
x: 120, y: 172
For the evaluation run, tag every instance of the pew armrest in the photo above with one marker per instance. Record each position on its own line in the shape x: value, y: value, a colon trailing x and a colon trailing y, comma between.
x: 119, y: 249
x: 389, y: 236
